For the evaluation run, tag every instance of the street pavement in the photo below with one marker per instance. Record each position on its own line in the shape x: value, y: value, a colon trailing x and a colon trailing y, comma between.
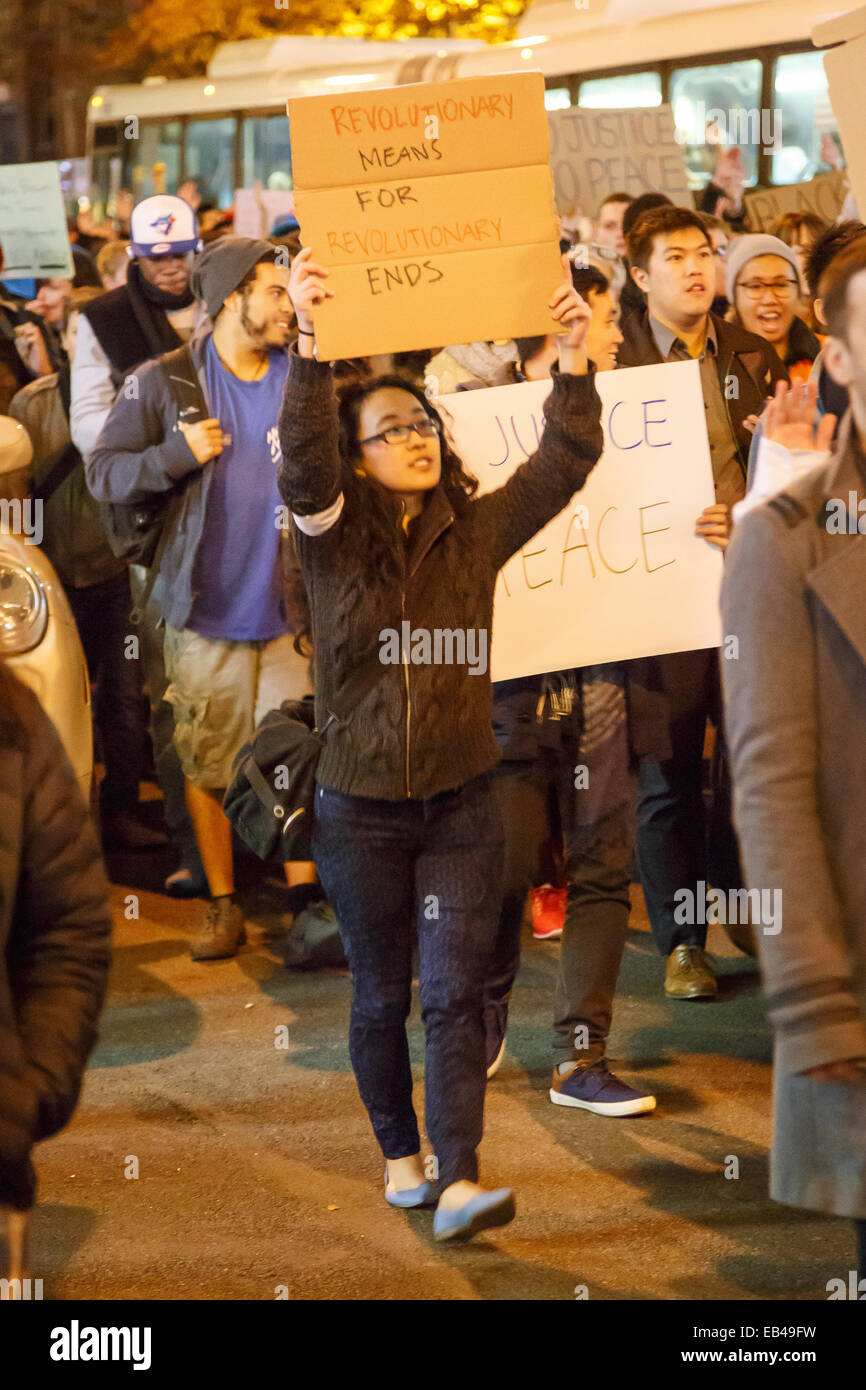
x: 258, y: 1177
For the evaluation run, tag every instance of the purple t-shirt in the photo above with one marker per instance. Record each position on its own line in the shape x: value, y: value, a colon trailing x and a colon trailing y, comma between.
x: 238, y: 579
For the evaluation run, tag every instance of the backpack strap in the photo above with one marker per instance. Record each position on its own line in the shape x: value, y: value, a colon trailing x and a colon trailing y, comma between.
x: 181, y: 381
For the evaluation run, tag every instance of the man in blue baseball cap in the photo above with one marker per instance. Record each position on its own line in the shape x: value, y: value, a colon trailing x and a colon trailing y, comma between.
x: 152, y: 313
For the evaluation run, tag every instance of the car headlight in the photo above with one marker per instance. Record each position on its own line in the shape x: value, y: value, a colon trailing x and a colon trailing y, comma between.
x: 23, y: 608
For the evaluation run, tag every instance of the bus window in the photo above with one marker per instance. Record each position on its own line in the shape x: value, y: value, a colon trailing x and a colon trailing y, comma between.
x: 557, y: 98
x: 209, y: 159
x: 803, y: 114
x: 727, y: 97
x: 635, y: 89
x: 266, y: 152
x: 158, y: 143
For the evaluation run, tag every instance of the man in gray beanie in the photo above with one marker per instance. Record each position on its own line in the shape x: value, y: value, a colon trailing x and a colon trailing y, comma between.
x: 202, y: 425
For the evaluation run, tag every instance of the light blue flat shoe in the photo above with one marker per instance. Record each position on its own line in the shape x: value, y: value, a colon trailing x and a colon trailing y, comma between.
x: 421, y: 1196
x: 488, y: 1209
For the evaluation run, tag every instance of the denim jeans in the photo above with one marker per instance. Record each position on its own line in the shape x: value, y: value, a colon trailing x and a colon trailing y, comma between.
x: 392, y: 869
x: 101, y: 613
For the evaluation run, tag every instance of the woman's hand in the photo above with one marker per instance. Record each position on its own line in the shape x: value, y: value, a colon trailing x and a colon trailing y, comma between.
x: 307, y: 288
x: 573, y: 314
x: 714, y: 526
x: 32, y: 350
x: 789, y: 418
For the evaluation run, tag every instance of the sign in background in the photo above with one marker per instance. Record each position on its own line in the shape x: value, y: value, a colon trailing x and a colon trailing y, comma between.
x: 431, y: 206
x: 845, y: 67
x: 823, y: 195
x: 257, y: 209
x: 597, y: 152
x: 33, y: 223
x: 619, y: 573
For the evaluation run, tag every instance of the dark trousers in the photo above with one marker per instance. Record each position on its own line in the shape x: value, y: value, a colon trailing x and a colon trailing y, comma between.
x: 391, y: 869
x: 101, y: 614
x: 680, y: 842
x: 597, y: 857
x: 166, y: 761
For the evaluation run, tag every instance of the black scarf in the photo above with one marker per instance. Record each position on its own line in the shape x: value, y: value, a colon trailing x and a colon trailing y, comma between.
x: 131, y: 324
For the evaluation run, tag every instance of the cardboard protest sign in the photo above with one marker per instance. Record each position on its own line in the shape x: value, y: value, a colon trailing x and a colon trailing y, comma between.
x: 619, y: 573
x: 33, y: 223
x: 823, y: 195
x: 595, y: 152
x: 431, y: 206
x: 845, y: 67
x: 257, y: 209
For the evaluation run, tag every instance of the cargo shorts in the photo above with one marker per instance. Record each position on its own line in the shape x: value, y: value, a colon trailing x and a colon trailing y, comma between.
x: 219, y: 690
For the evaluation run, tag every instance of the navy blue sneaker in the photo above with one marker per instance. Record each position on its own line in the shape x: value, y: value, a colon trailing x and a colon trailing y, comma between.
x: 593, y: 1086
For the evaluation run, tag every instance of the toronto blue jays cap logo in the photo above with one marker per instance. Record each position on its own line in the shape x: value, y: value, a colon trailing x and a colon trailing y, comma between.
x: 164, y: 224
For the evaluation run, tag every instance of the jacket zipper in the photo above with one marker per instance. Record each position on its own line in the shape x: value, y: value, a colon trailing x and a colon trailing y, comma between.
x: 405, y: 656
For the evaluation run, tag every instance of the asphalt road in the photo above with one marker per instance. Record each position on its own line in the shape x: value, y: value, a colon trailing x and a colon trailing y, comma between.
x: 258, y: 1176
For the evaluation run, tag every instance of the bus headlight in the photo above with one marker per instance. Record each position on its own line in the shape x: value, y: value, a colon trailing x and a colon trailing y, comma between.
x: 23, y: 608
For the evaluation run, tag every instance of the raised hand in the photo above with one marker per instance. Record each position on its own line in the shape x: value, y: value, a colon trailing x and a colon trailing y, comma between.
x: 307, y: 287
x: 789, y: 418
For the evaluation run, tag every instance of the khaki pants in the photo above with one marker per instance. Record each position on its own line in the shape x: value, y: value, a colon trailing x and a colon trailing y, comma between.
x: 219, y: 690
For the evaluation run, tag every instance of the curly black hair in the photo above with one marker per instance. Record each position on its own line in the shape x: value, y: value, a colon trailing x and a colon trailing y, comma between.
x: 382, y: 558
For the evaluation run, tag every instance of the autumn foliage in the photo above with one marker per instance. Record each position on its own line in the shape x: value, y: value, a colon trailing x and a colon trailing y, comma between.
x: 177, y: 40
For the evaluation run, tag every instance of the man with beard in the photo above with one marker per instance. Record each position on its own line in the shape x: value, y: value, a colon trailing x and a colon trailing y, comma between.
x: 228, y: 650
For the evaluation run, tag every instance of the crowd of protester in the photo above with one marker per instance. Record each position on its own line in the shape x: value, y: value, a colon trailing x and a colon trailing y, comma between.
x: 441, y: 785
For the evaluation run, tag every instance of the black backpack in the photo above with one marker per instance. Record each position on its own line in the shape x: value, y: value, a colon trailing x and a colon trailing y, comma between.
x: 134, y: 529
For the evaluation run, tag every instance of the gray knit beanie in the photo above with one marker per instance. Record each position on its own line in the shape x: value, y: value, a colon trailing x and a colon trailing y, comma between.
x: 745, y: 248
x: 219, y: 269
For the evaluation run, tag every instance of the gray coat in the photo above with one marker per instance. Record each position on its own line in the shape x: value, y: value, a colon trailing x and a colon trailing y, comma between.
x: 795, y: 596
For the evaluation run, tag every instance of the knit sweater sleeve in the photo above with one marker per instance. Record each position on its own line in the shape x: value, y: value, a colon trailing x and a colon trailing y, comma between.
x: 570, y: 446
x: 309, y: 477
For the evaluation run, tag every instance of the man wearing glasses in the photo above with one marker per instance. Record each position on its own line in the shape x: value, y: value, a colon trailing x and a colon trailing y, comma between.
x: 763, y: 287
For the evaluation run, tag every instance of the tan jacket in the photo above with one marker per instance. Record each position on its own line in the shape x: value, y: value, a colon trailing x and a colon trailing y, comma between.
x: 794, y: 596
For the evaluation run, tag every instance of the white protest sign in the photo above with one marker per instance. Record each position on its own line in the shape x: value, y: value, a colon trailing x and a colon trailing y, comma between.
x: 33, y: 223
x: 619, y: 573
x: 257, y: 209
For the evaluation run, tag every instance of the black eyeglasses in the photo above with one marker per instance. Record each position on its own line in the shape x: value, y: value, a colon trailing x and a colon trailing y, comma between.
x: 779, y: 289
x: 401, y: 434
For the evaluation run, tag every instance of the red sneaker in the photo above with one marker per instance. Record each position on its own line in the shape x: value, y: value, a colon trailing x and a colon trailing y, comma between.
x: 548, y: 912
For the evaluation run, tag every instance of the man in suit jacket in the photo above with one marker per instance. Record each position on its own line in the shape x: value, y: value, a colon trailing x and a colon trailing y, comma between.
x: 671, y: 261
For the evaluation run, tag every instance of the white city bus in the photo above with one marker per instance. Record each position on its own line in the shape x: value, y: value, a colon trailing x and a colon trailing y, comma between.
x: 229, y: 128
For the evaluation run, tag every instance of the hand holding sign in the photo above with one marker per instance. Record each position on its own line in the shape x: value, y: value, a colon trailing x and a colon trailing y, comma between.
x: 306, y: 290
x: 574, y: 314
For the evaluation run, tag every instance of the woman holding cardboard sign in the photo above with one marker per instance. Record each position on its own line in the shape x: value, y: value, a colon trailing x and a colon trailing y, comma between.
x: 400, y: 560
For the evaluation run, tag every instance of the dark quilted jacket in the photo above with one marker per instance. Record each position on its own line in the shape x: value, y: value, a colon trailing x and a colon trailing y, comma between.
x: 55, y: 928
x: 423, y: 729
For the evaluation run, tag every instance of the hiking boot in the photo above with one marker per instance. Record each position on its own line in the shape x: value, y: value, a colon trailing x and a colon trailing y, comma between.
x: 689, y: 974
x: 222, y: 931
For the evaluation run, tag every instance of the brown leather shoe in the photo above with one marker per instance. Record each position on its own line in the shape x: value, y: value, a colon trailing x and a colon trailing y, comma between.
x: 222, y: 931
x: 689, y: 974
